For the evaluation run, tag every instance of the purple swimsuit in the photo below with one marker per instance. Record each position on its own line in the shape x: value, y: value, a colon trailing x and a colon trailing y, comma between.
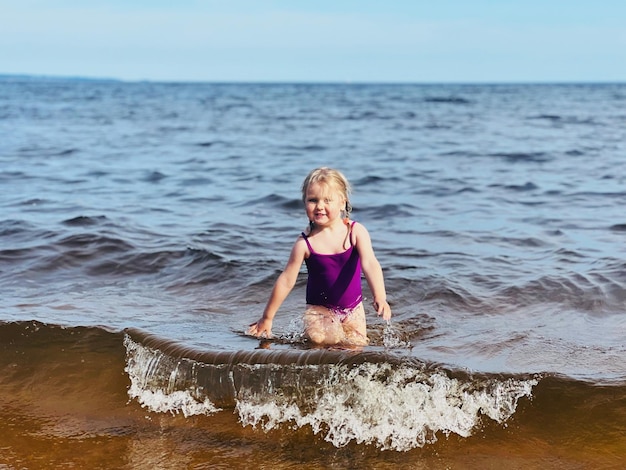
x: 334, y: 279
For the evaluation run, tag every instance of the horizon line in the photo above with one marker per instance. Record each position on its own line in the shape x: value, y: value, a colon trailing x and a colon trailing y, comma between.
x: 53, y: 77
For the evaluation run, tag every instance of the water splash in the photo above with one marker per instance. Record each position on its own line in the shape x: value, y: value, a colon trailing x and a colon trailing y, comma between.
x: 393, y: 408
x: 368, y: 398
x: 392, y: 339
x: 162, y: 386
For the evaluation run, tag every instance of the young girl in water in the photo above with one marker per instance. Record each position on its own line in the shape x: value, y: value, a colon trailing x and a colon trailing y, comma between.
x: 335, y: 251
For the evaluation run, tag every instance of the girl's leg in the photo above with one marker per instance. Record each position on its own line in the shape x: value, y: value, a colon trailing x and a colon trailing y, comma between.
x: 355, y: 328
x: 322, y: 326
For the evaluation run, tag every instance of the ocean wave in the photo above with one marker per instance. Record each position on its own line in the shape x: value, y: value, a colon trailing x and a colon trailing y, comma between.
x: 98, y: 247
x: 447, y: 100
x: 367, y: 398
x: 387, y: 210
x: 593, y: 293
x: 393, y: 408
x: 84, y: 221
x: 523, y: 157
x: 277, y: 201
x: 364, y: 398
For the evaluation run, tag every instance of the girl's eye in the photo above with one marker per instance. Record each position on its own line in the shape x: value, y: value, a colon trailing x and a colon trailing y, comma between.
x: 315, y: 200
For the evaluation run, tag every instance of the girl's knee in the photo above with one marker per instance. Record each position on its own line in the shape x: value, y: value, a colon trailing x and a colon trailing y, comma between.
x: 356, y: 336
x: 325, y: 336
x: 320, y: 327
x: 315, y: 335
x: 355, y: 330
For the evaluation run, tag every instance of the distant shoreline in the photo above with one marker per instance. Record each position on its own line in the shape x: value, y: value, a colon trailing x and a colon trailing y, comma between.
x: 49, y: 78
x: 59, y: 78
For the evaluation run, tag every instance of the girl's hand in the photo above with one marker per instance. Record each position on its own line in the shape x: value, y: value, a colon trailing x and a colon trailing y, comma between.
x: 261, y: 328
x: 383, y: 309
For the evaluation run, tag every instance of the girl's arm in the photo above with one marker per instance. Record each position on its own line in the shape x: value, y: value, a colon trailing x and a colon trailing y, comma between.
x: 372, y: 270
x: 282, y: 287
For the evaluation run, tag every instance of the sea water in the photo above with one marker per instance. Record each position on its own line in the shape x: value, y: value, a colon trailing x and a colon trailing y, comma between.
x: 142, y: 226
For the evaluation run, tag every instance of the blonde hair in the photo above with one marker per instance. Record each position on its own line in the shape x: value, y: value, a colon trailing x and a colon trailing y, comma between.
x: 332, y: 178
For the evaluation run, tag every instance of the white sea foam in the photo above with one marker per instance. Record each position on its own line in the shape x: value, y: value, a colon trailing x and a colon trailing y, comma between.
x: 391, y: 406
x: 397, y: 408
x: 173, y: 402
x: 155, y: 394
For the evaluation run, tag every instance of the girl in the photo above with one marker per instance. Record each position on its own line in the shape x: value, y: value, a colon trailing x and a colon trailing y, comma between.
x: 335, y: 251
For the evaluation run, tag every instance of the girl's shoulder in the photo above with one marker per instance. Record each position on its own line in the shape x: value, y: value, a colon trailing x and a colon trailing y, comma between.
x: 359, y: 234
x: 299, y: 249
x: 357, y: 227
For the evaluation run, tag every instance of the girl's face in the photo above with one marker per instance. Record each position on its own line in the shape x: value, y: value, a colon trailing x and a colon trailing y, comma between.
x: 323, y: 204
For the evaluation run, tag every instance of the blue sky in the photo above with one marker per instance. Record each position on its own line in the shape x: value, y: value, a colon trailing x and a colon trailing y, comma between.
x: 317, y: 41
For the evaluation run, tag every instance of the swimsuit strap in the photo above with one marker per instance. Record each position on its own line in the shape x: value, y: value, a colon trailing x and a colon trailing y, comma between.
x: 306, y: 239
x: 350, y: 232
